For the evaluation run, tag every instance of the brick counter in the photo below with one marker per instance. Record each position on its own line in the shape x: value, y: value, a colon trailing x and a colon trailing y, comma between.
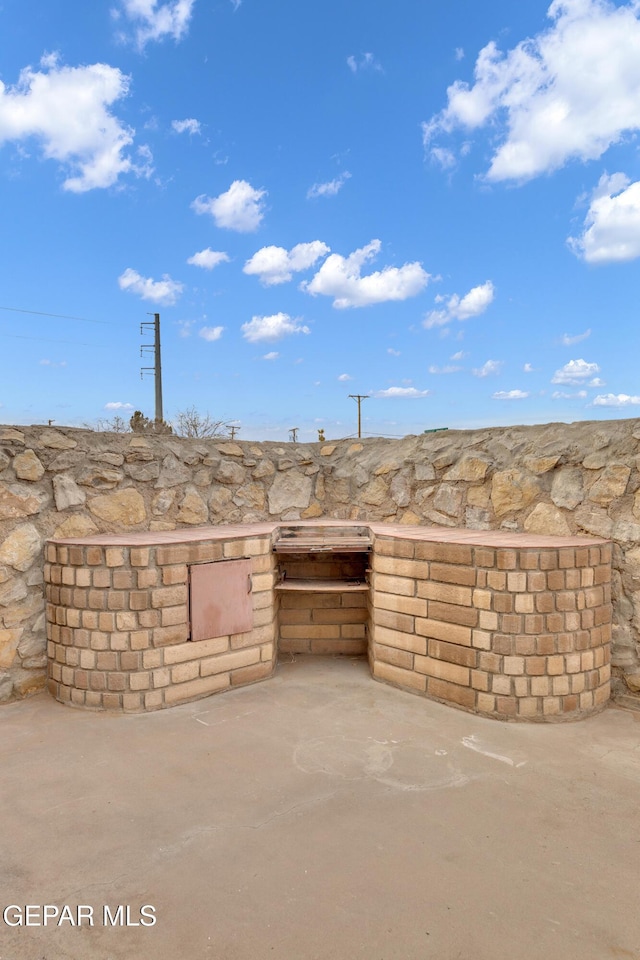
x: 512, y: 626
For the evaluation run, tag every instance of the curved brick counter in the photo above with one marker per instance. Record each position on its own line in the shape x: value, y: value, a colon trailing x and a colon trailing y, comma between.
x: 507, y: 625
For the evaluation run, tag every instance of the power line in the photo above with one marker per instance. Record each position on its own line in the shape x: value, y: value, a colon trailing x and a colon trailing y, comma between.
x: 78, y: 343
x: 58, y: 316
x: 359, y: 397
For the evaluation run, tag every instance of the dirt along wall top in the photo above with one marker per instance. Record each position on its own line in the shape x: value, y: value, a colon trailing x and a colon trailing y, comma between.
x: 562, y: 479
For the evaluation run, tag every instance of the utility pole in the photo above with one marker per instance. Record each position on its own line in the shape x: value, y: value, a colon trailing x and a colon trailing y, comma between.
x: 233, y: 430
x: 157, y: 360
x: 359, y: 397
x: 293, y: 434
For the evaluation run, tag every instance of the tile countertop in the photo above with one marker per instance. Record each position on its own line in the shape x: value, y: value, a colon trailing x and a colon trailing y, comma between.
x: 236, y: 531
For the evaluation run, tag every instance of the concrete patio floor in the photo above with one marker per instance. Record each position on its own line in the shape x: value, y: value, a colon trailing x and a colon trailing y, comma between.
x: 321, y: 815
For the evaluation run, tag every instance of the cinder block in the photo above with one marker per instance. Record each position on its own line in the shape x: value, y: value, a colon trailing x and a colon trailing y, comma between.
x: 171, y: 616
x: 506, y: 559
x: 529, y: 707
x: 267, y: 651
x: 339, y: 648
x: 413, y: 606
x: 485, y: 703
x: 201, y: 687
x: 229, y: 661
x: 451, y: 693
x: 394, y: 621
x: 312, y: 631
x: 444, y: 553
x: 448, y: 573
x: 496, y: 579
x: 153, y: 700
x: 439, y: 630
x: 139, y: 556
x: 480, y: 680
x: 517, y: 582
x: 452, y: 613
x: 524, y: 603
x: 393, y: 548
x: 402, y: 641
x: 540, y: 686
x: 452, y: 653
x: 171, y: 554
x: 402, y: 678
x: 140, y: 681
x: 250, y: 674
x: 185, y: 671
x: 250, y: 547
x: 147, y: 578
x: 398, y: 567
x: 501, y: 686
x: 169, y: 596
x: 514, y: 666
x: 161, y: 677
x: 484, y: 557
x: 402, y: 586
x: 447, y: 593
x: 394, y: 656
x: 452, y: 672
x: 174, y: 573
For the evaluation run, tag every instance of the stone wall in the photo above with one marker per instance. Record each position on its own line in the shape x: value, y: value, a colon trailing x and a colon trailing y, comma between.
x: 581, y: 478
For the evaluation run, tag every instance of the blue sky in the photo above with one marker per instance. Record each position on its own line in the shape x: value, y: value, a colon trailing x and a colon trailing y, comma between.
x: 436, y: 204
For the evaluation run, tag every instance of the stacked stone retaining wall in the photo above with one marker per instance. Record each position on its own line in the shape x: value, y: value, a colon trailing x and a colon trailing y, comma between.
x: 560, y: 479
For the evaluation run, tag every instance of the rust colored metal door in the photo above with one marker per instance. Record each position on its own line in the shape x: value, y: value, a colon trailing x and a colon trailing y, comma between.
x: 220, y: 599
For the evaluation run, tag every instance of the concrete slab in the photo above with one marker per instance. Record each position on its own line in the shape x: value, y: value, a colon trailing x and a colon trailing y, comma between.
x: 317, y: 816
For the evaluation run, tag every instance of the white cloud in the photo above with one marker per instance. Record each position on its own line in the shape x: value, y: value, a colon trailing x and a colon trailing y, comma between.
x: 561, y: 395
x: 184, y: 327
x: 241, y: 208
x: 189, y: 126
x: 474, y: 303
x: 164, y: 291
x: 53, y: 363
x: 575, y: 372
x: 392, y: 352
x: 447, y: 369
x: 366, y: 61
x: 488, y: 369
x: 510, y: 395
x: 401, y: 393
x: 612, y: 225
x: 528, y: 368
x: 596, y: 382
x: 460, y: 355
x: 66, y: 109
x: 568, y: 93
x: 569, y: 341
x: 276, y: 265
x: 118, y: 405
x: 272, y: 328
x: 208, y: 258
x: 328, y: 189
x: 210, y: 333
x: 273, y: 355
x: 339, y: 277
x: 459, y: 53
x: 155, y: 21
x: 615, y: 400
x: 344, y: 377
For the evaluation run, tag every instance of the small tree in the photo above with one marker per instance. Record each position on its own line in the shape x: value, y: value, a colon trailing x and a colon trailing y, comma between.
x: 191, y: 423
x: 139, y: 423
